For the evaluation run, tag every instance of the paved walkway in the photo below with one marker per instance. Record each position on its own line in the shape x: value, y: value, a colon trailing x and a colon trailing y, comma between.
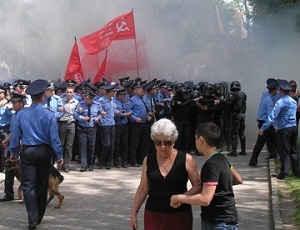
x: 102, y: 199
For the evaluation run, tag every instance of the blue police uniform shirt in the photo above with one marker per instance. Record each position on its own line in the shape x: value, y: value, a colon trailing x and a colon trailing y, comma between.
x: 149, y: 101
x: 79, y: 115
x: 138, y: 109
x: 13, y: 120
x: 158, y: 97
x: 120, y: 118
x: 32, y: 127
x: 276, y: 97
x: 107, y: 105
x: 127, y: 98
x: 5, y: 116
x: 54, y: 103
x: 97, y: 98
x: 265, y: 107
x: 283, y: 114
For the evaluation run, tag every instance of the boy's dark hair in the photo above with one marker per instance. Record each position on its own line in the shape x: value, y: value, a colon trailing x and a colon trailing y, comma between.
x: 210, y: 132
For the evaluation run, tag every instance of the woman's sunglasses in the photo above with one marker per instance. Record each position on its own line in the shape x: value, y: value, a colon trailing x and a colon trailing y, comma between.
x: 165, y: 143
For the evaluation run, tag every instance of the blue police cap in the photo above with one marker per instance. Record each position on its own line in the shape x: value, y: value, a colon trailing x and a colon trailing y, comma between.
x: 150, y: 85
x: 120, y: 90
x: 50, y: 86
x: 89, y: 94
x: 17, y: 97
x: 70, y: 82
x: 62, y: 86
x: 36, y: 87
x: 272, y: 83
x: 284, y: 85
x: 161, y: 82
x: 91, y: 87
x: 6, y: 85
x: 128, y: 83
x: 270, y: 80
x: 98, y: 85
x: 124, y: 79
x: 2, y: 89
x: 23, y: 83
x: 137, y: 85
x: 110, y: 87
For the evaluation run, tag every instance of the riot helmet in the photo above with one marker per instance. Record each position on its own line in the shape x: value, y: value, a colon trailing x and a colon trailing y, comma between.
x: 235, y: 86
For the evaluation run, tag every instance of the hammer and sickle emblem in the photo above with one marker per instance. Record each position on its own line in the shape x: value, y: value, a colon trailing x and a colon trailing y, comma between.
x: 121, y: 26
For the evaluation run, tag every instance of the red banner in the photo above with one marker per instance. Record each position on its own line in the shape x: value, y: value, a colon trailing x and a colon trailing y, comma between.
x: 119, y: 28
x: 122, y: 57
x: 74, y: 69
x: 101, y: 71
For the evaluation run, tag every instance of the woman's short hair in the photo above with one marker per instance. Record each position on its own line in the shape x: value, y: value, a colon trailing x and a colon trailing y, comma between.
x: 164, y: 127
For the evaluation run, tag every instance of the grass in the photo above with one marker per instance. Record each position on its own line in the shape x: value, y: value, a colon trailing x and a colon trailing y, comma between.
x: 293, y: 187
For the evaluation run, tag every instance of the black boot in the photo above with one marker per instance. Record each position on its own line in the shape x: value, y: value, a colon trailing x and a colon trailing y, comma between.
x: 243, y: 146
x: 233, y: 153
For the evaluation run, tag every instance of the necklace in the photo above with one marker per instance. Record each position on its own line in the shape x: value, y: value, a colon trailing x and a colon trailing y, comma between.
x: 166, y: 168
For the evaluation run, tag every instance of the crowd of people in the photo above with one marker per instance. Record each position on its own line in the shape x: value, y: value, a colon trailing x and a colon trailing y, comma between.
x: 133, y: 123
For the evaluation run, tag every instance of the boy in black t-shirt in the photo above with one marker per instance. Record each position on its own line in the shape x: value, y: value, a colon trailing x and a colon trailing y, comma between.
x: 217, y: 177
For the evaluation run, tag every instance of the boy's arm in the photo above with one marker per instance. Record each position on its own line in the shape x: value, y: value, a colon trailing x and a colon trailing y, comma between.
x: 203, y: 199
x: 236, y: 177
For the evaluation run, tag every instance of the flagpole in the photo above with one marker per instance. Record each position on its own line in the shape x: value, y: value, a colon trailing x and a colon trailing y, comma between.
x: 147, y: 59
x: 136, y: 51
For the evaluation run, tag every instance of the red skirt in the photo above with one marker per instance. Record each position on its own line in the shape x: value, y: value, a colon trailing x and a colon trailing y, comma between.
x: 162, y: 221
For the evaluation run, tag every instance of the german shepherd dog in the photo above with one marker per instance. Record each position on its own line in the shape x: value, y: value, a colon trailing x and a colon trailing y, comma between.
x: 55, y: 179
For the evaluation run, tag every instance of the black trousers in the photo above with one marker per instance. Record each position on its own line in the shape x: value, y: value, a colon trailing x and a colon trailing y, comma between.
x: 9, y: 184
x: 238, y: 130
x: 139, y: 139
x: 4, y: 131
x: 287, y: 149
x: 35, y: 168
x: 185, y: 134
x: 108, y: 134
x: 86, y: 143
x: 269, y: 138
x: 121, y: 144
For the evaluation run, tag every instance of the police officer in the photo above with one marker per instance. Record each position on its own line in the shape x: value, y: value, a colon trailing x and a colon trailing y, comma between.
x: 86, y: 115
x: 283, y: 117
x: 18, y: 102
x: 5, y: 120
x: 265, y: 107
x: 148, y: 99
x: 182, y: 106
x: 122, y: 131
x: 53, y: 102
x: 22, y: 85
x: 139, y: 131
x: 237, y: 102
x: 36, y: 128
x: 108, y: 110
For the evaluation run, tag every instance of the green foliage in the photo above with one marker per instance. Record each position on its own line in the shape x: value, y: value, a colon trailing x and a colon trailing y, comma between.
x: 294, y: 188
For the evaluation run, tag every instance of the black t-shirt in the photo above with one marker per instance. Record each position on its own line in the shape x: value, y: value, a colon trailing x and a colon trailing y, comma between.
x: 162, y: 188
x: 216, y: 171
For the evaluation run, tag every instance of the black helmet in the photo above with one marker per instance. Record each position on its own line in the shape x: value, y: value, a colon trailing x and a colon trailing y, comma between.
x: 235, y: 86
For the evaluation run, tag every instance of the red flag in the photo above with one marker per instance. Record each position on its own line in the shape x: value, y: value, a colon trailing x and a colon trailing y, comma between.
x: 122, y: 57
x: 74, y: 69
x: 101, y: 71
x: 119, y: 28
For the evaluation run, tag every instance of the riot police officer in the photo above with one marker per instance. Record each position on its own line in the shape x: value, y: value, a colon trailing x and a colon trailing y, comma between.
x: 237, y: 103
